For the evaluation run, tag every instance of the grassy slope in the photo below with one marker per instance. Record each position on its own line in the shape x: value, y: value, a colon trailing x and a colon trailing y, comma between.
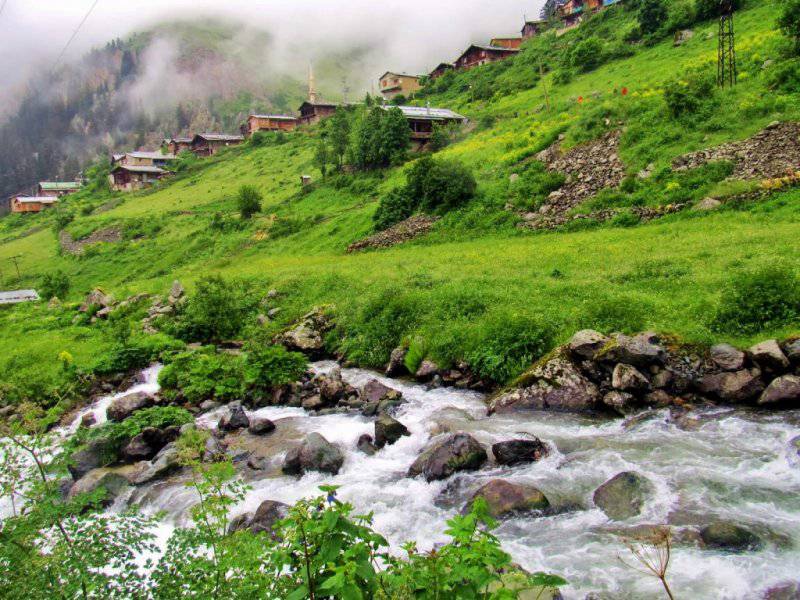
x: 476, y: 271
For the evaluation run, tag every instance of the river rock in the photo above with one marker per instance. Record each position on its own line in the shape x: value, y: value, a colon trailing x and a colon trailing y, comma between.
x: 623, y: 496
x: 388, y: 430
x: 555, y: 384
x: 366, y: 445
x: 585, y: 344
x: 260, y: 426
x: 792, y: 351
x: 307, y: 335
x: 149, y: 442
x: 164, y: 463
x: 88, y: 421
x: 788, y: 590
x: 397, y: 365
x: 234, y: 420
x: 641, y: 350
x: 730, y: 537
x: 727, y: 357
x: 628, y: 379
x: 516, y: 452
x: 331, y: 387
x: 739, y: 386
x: 208, y: 406
x: 769, y: 356
x: 95, y: 298
x: 267, y: 515
x: 88, y: 458
x: 379, y: 398
x: 783, y: 391
x: 427, y: 370
x: 214, y: 450
x: 240, y: 523
x: 313, y: 403
x: 457, y: 452
x: 622, y: 403
x: 504, y: 498
x: 113, y: 484
x: 314, y: 454
x: 122, y: 408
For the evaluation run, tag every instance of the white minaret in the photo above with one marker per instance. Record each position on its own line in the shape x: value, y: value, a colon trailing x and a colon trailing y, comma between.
x: 312, y: 89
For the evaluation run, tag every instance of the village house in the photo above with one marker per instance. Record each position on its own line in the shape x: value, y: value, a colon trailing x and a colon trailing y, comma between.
x: 147, y: 159
x: 572, y: 12
x: 396, y: 84
x: 422, y: 120
x: 32, y: 204
x: 533, y: 28
x: 476, y: 56
x: 508, y: 42
x: 176, y: 145
x: 208, y: 144
x: 129, y: 178
x: 440, y: 70
x: 268, y: 123
x: 57, y: 188
x: 313, y: 112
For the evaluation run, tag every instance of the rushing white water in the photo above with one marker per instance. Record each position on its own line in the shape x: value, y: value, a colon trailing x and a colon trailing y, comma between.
x: 732, y: 465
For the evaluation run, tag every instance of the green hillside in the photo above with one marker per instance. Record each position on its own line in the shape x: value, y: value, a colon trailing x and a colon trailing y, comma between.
x: 478, y: 284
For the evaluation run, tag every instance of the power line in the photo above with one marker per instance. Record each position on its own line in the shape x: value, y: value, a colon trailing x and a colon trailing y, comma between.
x: 75, y: 33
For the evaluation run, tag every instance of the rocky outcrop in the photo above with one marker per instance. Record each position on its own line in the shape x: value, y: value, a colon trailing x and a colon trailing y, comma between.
x: 550, y: 221
x: 378, y: 398
x: 100, y: 479
x: 307, y: 335
x: 730, y: 537
x: 738, y: 387
x: 122, y: 408
x: 517, y: 452
x: 770, y: 153
x: 727, y: 357
x: 457, y: 452
x: 149, y: 442
x: 234, y: 419
x: 402, y: 232
x: 109, y: 235
x: 397, y: 365
x: 388, y: 430
x: 314, y: 454
x: 623, y: 496
x: 769, y: 356
x: 505, y: 499
x: 89, y: 457
x: 783, y: 392
x: 627, y: 378
x: 165, y: 462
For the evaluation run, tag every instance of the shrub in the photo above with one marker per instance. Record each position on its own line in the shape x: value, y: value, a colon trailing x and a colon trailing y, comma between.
x: 587, y: 54
x: 440, y: 185
x: 54, y: 285
x: 785, y: 76
x: 689, y: 96
x: 765, y: 299
x: 508, y: 345
x: 266, y: 367
x: 789, y: 22
x: 535, y: 184
x: 216, y: 312
x: 652, y: 15
x: 135, y: 353
x: 199, y: 376
x: 248, y: 201
x: 393, y: 208
x: 709, y: 9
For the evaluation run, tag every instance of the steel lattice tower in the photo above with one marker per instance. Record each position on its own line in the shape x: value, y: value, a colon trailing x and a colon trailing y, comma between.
x: 726, y: 55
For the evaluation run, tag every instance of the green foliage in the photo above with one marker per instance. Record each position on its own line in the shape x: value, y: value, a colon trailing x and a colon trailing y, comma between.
x: 268, y: 138
x: 417, y: 351
x: 789, y: 22
x: 689, y: 96
x: 508, y: 344
x: 267, y: 367
x: 248, y: 200
x: 440, y: 185
x: 709, y: 9
x: 54, y: 285
x: 534, y: 184
x: 194, y: 377
x: 759, y: 300
x: 216, y: 312
x: 609, y: 314
x: 652, y: 15
x: 135, y: 353
x: 587, y: 54
x: 322, y: 156
x: 394, y: 207
x: 379, y: 139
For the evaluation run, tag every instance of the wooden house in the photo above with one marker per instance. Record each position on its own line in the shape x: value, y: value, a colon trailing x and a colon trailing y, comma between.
x: 396, y: 84
x: 269, y: 123
x: 129, y: 178
x: 509, y: 42
x: 57, y: 189
x: 533, y: 28
x: 440, y: 70
x: 147, y: 159
x: 476, y: 56
x: 176, y: 145
x: 422, y: 120
x: 571, y: 12
x: 208, y: 144
x: 31, y: 204
x: 314, y: 112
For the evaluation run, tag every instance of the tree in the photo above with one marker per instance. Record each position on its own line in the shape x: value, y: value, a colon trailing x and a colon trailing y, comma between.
x: 322, y: 156
x: 587, y: 54
x: 216, y: 312
x: 709, y: 9
x: 789, y: 22
x: 395, y: 137
x: 652, y: 15
x: 339, y: 135
x: 249, y: 201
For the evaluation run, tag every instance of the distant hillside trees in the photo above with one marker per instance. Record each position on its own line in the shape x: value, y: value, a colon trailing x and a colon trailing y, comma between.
x: 789, y: 22
x: 379, y: 139
x: 709, y: 9
x: 652, y: 15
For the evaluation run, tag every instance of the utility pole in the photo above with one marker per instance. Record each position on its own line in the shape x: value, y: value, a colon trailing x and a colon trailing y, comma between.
x: 726, y: 54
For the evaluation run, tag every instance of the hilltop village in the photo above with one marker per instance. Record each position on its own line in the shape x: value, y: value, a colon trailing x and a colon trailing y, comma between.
x: 136, y: 170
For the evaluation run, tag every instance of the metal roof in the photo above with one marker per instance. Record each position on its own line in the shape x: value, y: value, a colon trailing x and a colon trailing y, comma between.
x: 152, y: 155
x: 138, y: 169
x: 425, y: 113
x: 399, y: 75
x: 17, y: 296
x: 500, y: 48
x: 36, y: 199
x: 59, y: 186
x: 275, y: 117
x: 219, y: 137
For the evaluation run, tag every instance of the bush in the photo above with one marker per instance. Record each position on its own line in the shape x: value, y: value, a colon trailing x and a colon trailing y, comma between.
x: 248, y: 201
x: 789, y: 22
x: 652, y: 15
x: 199, y: 376
x: 267, y: 367
x: 785, y: 76
x: 54, y: 285
x: 135, y: 353
x: 216, y: 312
x: 393, y: 208
x: 587, y: 55
x: 757, y: 301
x: 690, y: 96
x: 440, y: 185
x: 709, y: 9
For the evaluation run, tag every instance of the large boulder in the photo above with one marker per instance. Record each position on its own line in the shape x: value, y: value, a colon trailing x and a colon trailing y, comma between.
x: 587, y: 343
x: 88, y: 458
x: 397, y: 365
x: 307, y: 335
x: 769, y: 356
x: 504, y: 499
x: 267, y: 514
x: 623, y: 496
x: 314, y: 454
x: 736, y: 387
x: 782, y: 392
x: 165, y: 462
x: 331, y: 387
x: 378, y: 398
x: 234, y: 420
x: 388, y: 430
x: 112, y: 483
x: 554, y: 384
x: 122, y: 408
x: 516, y: 452
x: 427, y: 370
x: 788, y: 590
x: 260, y: 426
x: 149, y: 442
x: 792, y: 350
x: 457, y: 452
x: 727, y: 357
x: 95, y: 298
x: 729, y: 537
x: 629, y: 379
x: 640, y: 350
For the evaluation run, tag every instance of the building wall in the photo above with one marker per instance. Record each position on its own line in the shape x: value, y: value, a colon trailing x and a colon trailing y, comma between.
x: 27, y: 207
x: 477, y: 58
x: 255, y: 124
x: 513, y: 43
x: 394, y: 85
